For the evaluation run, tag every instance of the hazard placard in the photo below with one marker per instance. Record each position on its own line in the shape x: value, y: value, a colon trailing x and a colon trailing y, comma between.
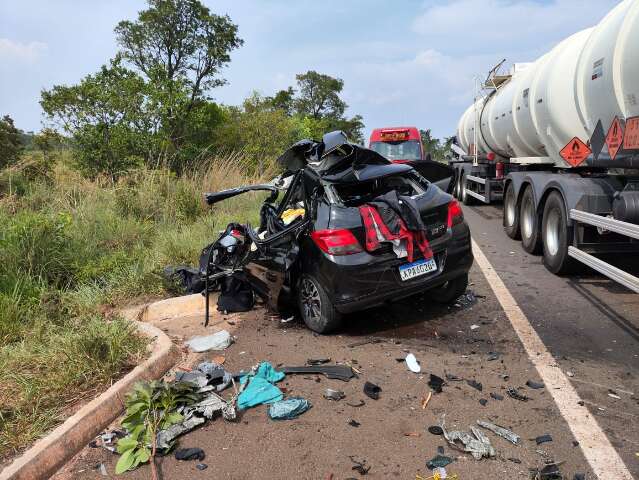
x: 575, y: 152
x: 614, y: 138
x: 631, y: 137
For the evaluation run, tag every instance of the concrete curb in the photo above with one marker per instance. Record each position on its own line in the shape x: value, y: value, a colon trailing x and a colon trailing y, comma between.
x: 53, y: 451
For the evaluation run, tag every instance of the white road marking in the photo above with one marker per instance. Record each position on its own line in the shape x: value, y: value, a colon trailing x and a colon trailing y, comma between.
x: 603, y: 459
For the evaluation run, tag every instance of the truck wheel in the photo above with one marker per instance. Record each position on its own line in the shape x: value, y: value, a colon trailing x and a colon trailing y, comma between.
x: 529, y: 223
x: 555, y: 234
x: 465, y: 198
x: 450, y: 291
x: 511, y: 214
x: 316, y: 307
x: 457, y: 186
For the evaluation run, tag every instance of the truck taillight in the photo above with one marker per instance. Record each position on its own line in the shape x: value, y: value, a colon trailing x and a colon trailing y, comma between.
x: 336, y: 242
x: 499, y: 170
x: 490, y: 156
x: 455, y: 214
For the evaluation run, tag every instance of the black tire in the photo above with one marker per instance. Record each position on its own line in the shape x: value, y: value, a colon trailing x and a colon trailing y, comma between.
x: 556, y: 236
x: 511, y: 213
x: 316, y: 307
x: 450, y: 291
x: 465, y: 198
x: 529, y: 223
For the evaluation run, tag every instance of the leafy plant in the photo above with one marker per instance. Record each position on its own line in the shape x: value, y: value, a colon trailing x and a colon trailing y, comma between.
x: 150, y: 408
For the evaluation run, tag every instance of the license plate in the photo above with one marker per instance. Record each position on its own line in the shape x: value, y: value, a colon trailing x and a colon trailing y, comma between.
x: 416, y: 269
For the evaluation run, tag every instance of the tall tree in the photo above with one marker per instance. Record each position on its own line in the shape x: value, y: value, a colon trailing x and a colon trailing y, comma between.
x: 179, y: 46
x: 319, y: 95
x: 10, y: 143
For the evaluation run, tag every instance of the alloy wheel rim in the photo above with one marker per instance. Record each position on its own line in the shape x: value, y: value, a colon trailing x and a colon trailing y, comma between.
x: 310, y: 299
x: 552, y: 232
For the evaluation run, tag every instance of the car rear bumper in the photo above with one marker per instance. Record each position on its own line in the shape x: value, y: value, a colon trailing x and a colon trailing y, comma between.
x: 357, y: 287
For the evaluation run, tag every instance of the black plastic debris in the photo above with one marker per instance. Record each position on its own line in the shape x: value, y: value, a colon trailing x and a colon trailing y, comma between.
x: 190, y: 454
x: 438, y: 461
x: 549, y: 472
x: 435, y: 383
x: 201, y: 466
x: 360, y: 467
x: 496, y: 396
x: 513, y: 393
x: 514, y: 460
x: 575, y: 443
x: 372, y: 391
x: 483, y: 402
x: 317, y: 361
x: 334, y: 372
x: 543, y: 439
x: 354, y: 423
x: 187, y: 278
x: 236, y: 294
x: 440, y: 450
x: 492, y: 356
x: 466, y: 300
x: 435, y: 430
x: 453, y: 378
x: 534, y: 385
x: 476, y: 385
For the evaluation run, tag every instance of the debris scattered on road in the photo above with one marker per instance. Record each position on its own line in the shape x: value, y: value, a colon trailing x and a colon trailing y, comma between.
x: 288, y: 409
x: 438, y: 461
x: 201, y: 466
x: 613, y: 394
x: 103, y: 470
x: 483, y: 402
x: 354, y: 423
x: 579, y: 476
x: 512, y: 392
x: 534, y: 385
x: 436, y: 383
x: 453, y: 378
x: 412, y: 363
x: 317, y: 361
x: 474, y: 327
x: 364, y: 342
x: 331, y: 394
x: 360, y: 467
x: 372, y: 391
x: 514, y: 460
x: 466, y: 300
x: 548, y: 472
x: 543, y: 439
x: 509, y: 435
x: 333, y: 372
x: 218, y: 341
x: 361, y: 403
x: 476, y: 385
x: 435, y: 430
x: 475, y: 443
x: 492, y: 356
x: 190, y: 454
x: 570, y: 374
x: 287, y: 320
x: 496, y: 396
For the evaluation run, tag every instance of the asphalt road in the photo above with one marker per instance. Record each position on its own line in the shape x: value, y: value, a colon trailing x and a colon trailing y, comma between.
x: 589, y: 323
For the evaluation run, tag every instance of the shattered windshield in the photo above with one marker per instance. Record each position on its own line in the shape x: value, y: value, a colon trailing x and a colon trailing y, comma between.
x: 405, y: 150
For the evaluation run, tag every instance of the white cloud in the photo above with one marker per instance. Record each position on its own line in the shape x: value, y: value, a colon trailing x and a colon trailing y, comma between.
x: 25, y: 52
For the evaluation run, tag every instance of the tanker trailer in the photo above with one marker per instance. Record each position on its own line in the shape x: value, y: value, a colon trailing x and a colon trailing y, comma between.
x: 558, y: 141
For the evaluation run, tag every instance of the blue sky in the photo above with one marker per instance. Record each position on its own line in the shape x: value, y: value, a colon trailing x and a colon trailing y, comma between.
x: 410, y: 62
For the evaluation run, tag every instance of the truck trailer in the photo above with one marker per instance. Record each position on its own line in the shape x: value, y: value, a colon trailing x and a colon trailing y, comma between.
x: 558, y: 141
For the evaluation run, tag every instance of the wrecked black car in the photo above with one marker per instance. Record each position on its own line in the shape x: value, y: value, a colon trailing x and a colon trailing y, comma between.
x: 351, y: 231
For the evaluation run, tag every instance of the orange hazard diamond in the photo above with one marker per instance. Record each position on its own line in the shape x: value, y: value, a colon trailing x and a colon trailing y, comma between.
x: 614, y: 138
x: 575, y: 152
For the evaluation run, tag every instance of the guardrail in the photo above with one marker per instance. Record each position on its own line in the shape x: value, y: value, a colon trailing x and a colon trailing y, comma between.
x: 623, y: 228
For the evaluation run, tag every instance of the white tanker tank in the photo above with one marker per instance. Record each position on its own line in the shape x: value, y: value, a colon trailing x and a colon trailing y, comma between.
x: 590, y: 77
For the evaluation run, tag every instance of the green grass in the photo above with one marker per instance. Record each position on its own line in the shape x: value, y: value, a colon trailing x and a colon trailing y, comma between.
x: 72, y: 250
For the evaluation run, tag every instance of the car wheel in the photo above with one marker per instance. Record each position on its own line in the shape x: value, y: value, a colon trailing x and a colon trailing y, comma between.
x: 555, y: 234
x: 529, y: 223
x: 316, y: 307
x: 451, y: 290
x: 465, y: 198
x: 511, y: 214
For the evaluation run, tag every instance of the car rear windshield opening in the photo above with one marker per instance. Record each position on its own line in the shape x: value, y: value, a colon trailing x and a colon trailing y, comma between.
x: 362, y: 192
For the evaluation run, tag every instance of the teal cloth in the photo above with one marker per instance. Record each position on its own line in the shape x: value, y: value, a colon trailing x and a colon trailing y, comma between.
x: 288, y: 409
x: 260, y: 388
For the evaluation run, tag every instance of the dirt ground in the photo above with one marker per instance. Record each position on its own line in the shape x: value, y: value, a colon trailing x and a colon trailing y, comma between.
x: 392, y: 437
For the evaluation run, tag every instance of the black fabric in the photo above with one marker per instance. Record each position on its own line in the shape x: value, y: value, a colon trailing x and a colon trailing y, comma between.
x: 403, y: 206
x: 190, y: 454
x: 236, y: 295
x: 188, y: 278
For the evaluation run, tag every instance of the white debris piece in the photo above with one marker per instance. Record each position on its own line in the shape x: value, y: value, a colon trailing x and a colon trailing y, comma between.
x: 217, y: 341
x: 412, y: 363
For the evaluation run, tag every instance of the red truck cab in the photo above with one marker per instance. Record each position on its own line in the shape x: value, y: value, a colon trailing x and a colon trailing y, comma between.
x: 398, y: 144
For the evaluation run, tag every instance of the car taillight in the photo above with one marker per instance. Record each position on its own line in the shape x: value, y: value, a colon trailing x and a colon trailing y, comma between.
x: 455, y: 214
x: 336, y: 242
